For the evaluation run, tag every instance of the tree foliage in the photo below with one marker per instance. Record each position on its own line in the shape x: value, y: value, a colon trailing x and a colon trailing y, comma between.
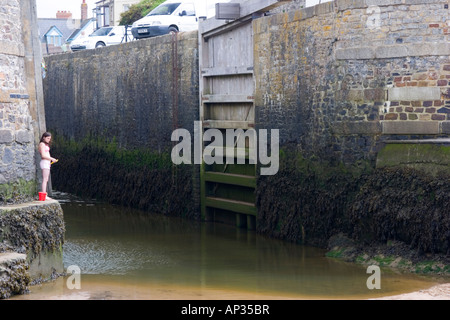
x: 138, y: 10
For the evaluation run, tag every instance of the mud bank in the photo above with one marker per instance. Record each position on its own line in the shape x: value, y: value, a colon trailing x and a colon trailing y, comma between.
x: 392, y: 254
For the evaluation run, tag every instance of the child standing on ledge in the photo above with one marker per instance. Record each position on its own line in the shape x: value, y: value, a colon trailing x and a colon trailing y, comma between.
x: 46, y: 159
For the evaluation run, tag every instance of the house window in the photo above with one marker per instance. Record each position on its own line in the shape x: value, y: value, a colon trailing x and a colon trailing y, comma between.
x: 54, y: 39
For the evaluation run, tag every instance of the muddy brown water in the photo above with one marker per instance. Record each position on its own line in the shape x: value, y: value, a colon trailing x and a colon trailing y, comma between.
x: 130, y: 254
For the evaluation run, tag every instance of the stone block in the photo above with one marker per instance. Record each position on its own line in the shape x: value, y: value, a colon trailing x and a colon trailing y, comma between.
x: 356, y: 53
x: 414, y: 94
x: 410, y: 127
x: 393, y: 51
x: 445, y: 127
x: 6, y: 136
x: 24, y: 137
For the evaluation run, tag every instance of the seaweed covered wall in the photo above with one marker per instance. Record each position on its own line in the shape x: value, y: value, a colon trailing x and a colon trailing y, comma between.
x: 14, y: 277
x: 31, y: 240
x: 310, y: 202
x: 112, y: 112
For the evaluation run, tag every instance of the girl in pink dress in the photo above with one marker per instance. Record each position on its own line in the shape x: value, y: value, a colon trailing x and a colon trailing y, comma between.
x: 46, y: 159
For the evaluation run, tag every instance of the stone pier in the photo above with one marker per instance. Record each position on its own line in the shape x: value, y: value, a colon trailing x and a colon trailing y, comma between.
x: 31, y: 240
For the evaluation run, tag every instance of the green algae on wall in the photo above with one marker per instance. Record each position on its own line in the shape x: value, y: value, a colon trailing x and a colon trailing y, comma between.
x: 17, y: 191
x: 432, y: 158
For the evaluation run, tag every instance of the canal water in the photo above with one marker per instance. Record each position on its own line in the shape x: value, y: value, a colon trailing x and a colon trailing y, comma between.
x: 130, y: 254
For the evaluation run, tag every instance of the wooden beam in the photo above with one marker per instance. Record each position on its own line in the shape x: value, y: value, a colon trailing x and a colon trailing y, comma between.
x: 227, y: 98
x: 228, y: 124
x: 229, y: 178
x: 231, y: 205
x: 226, y: 71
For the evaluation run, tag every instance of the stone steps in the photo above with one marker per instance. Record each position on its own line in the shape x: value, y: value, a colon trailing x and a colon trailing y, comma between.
x: 14, y: 277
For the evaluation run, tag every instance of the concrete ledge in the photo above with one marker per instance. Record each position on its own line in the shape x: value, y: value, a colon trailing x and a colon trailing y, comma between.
x: 410, y: 127
x: 394, y: 51
x: 27, y: 205
x: 445, y: 141
x: 429, y: 157
x: 414, y: 94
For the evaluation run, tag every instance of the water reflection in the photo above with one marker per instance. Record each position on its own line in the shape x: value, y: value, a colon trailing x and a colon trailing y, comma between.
x: 135, y: 255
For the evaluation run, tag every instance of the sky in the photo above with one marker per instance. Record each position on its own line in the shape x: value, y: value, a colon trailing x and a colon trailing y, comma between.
x: 48, y: 8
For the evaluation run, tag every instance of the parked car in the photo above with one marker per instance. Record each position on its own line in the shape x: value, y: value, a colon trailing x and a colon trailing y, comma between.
x: 173, y: 16
x: 105, y: 36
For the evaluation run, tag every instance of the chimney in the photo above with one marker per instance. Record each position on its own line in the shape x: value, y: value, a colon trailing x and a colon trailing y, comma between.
x: 84, y: 8
x: 63, y: 15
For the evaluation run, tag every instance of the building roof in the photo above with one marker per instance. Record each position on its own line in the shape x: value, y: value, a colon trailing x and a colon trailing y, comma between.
x: 83, y: 25
x: 65, y: 26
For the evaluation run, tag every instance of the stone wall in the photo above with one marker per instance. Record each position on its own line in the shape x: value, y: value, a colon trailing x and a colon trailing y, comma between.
x: 21, y: 117
x: 112, y: 111
x: 341, y: 80
x: 137, y: 92
x: 352, y: 73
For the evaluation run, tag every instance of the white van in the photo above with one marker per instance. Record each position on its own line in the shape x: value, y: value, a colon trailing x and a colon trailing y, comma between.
x: 174, y: 16
x: 105, y: 36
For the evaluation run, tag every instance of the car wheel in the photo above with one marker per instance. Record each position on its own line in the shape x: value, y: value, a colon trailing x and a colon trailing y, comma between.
x: 99, y: 45
x: 173, y: 30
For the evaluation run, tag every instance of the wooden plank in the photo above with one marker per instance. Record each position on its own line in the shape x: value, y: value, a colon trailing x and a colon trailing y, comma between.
x: 233, y: 48
x: 231, y: 205
x: 238, y: 153
x: 233, y: 179
x: 230, y: 112
x: 228, y: 124
x: 227, y: 98
x: 225, y: 85
x: 226, y: 71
